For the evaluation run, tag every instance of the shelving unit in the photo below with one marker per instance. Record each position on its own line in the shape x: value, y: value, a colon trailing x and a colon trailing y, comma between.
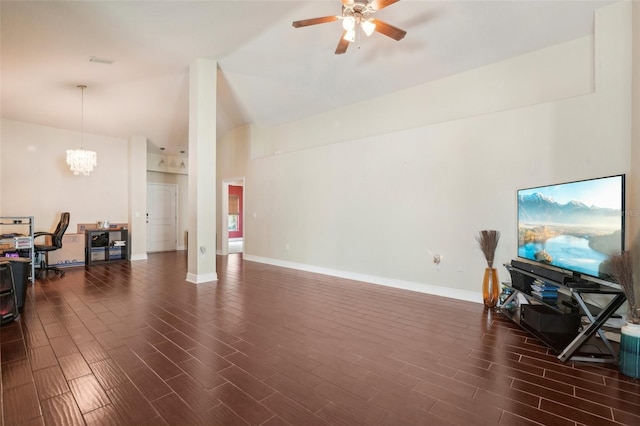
x: 569, y: 304
x: 106, y: 245
x: 25, y: 247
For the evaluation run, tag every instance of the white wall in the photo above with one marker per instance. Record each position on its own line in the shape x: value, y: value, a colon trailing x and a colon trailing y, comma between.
x: 35, y: 179
x: 550, y: 74
x: 329, y: 194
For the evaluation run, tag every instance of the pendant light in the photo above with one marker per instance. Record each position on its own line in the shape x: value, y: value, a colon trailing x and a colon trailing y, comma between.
x: 81, y: 160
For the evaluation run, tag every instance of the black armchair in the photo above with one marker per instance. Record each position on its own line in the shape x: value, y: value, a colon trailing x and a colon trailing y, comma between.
x: 53, y: 241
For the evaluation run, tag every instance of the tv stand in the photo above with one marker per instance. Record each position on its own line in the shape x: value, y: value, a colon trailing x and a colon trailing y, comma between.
x: 553, y: 321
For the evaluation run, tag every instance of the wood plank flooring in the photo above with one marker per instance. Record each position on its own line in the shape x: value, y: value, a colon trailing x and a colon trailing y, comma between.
x: 134, y: 344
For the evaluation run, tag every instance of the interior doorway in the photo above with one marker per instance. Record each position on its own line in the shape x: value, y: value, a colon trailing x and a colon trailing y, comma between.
x: 232, y: 216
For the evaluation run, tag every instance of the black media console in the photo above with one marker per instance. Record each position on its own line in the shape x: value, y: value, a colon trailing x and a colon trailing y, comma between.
x: 566, y: 322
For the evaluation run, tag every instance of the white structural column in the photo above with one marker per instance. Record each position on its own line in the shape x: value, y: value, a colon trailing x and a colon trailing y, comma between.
x: 202, y: 172
x: 138, y: 197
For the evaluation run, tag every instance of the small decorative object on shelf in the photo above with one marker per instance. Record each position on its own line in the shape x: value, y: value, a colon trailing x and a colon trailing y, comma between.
x: 488, y: 241
x: 629, y: 360
x: 506, y: 295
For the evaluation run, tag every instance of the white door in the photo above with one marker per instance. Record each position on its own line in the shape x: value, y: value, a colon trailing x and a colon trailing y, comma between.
x: 161, y: 217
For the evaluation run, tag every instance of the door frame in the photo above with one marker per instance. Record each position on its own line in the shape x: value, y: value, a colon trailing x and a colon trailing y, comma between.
x: 224, y: 213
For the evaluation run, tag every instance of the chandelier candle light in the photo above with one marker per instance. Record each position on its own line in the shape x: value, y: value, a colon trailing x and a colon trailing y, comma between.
x: 81, y: 160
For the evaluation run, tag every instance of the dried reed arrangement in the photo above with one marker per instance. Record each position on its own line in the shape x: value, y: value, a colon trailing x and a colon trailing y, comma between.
x: 622, y: 271
x: 488, y: 242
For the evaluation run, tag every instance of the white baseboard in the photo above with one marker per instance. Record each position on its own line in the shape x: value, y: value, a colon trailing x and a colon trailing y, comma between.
x: 139, y: 256
x: 469, y: 296
x: 202, y: 278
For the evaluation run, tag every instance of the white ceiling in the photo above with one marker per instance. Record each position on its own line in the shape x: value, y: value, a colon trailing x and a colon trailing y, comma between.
x: 269, y: 73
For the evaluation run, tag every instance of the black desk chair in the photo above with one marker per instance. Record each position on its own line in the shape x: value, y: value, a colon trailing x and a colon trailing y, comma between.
x: 55, y: 237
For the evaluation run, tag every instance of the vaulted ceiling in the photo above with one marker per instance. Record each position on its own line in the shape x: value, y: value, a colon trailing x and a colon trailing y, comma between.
x: 269, y: 72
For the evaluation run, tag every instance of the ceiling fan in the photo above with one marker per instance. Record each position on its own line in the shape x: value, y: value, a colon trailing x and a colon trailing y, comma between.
x: 354, y: 13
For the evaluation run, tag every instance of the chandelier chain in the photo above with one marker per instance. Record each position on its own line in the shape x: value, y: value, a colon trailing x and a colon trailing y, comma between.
x: 82, y: 87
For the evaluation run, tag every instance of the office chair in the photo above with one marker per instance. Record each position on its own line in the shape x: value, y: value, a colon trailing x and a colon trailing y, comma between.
x: 55, y: 237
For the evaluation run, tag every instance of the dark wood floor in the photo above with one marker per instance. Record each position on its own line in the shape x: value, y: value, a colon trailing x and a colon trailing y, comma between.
x: 126, y: 344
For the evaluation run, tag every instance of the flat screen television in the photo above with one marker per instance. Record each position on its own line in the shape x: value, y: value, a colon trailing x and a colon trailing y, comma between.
x: 573, y: 226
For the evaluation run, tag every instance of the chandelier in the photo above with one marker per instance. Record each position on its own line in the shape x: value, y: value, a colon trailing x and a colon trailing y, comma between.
x: 81, y: 160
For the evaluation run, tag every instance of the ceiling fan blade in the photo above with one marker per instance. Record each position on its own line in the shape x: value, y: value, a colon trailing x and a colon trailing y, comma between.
x: 346, y: 2
x: 314, y: 21
x: 389, y: 30
x: 342, y: 44
x: 381, y: 4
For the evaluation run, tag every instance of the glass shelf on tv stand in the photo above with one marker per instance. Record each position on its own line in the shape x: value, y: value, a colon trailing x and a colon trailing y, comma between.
x: 568, y: 345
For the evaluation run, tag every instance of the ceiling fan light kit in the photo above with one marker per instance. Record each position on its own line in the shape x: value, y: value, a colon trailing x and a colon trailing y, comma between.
x: 368, y: 27
x: 357, y: 13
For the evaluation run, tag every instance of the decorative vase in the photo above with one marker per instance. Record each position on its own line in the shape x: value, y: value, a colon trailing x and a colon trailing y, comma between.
x: 490, y: 288
x: 629, y: 360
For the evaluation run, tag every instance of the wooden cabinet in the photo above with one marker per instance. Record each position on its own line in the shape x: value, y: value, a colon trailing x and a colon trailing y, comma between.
x: 106, y: 245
